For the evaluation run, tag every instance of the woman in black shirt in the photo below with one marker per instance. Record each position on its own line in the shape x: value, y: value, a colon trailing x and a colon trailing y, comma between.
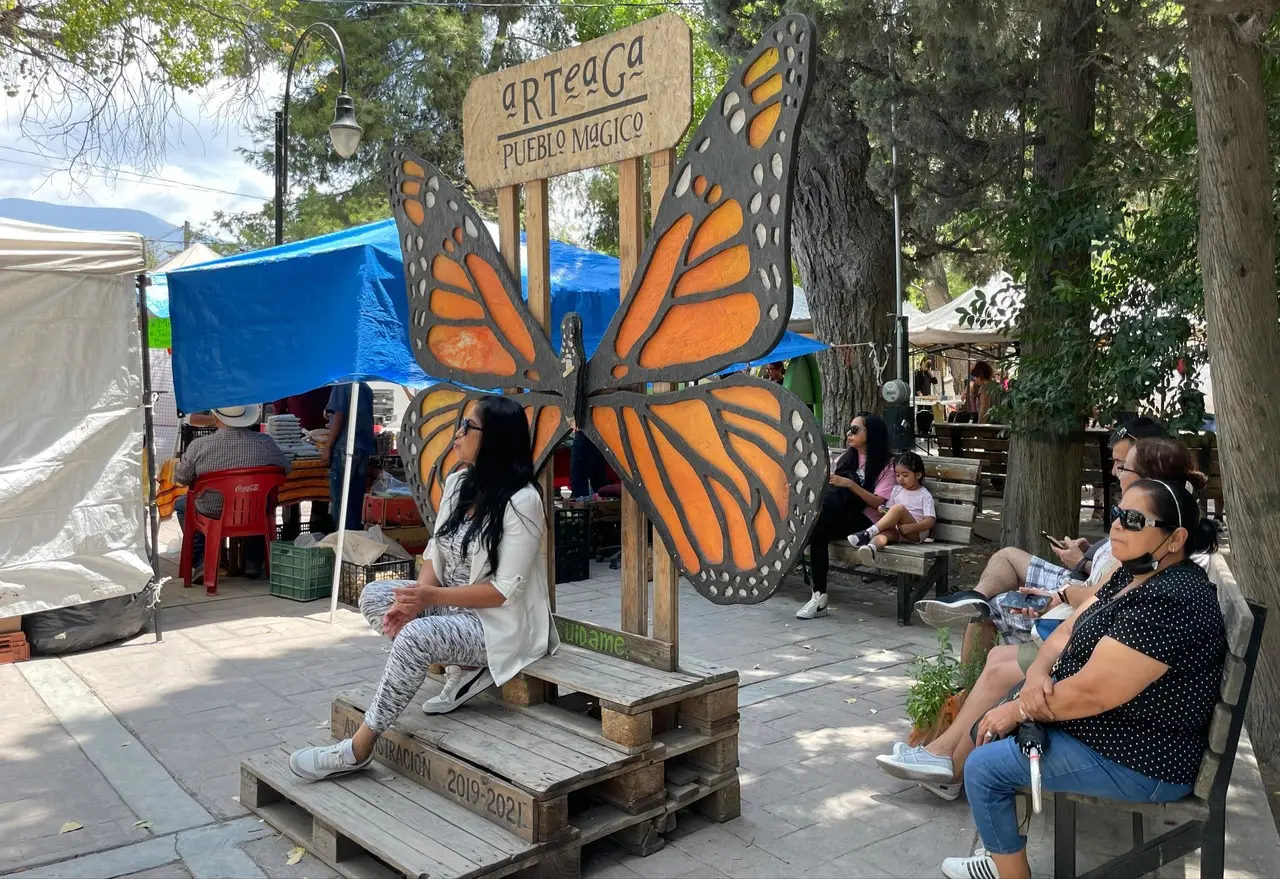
x: 1128, y: 704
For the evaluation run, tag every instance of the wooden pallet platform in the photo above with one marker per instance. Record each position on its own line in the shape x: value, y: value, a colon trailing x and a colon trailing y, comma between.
x: 625, y: 687
x: 378, y: 823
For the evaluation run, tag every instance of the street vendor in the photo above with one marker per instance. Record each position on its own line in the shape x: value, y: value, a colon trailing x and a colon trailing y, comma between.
x: 334, y: 454
x: 233, y: 446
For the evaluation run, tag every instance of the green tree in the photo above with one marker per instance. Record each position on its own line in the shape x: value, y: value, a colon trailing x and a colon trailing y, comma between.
x: 409, y: 68
x: 1237, y: 253
x: 98, y: 82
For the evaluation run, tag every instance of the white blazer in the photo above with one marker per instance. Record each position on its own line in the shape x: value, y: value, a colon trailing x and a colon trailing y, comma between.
x: 521, y: 629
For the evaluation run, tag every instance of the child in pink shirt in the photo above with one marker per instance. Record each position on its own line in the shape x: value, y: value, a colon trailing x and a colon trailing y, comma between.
x: 908, y: 514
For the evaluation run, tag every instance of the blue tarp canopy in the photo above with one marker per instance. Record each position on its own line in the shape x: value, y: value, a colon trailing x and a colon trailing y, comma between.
x: 261, y: 326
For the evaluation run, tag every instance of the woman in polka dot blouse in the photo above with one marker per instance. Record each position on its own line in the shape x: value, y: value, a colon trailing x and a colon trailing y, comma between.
x: 1128, y: 703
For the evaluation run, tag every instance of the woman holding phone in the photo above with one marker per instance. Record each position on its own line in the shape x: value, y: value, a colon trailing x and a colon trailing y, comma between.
x: 860, y: 483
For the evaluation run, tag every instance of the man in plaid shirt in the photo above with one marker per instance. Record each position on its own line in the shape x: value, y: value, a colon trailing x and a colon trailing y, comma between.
x: 235, y: 445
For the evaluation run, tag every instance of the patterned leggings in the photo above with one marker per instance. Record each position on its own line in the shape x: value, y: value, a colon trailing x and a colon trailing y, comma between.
x: 450, y: 635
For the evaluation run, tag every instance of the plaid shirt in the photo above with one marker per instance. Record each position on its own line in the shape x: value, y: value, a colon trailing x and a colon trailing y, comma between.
x: 229, y: 448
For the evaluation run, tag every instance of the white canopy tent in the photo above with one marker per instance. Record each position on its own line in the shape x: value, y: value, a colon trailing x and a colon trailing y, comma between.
x: 942, y: 327
x: 72, y: 507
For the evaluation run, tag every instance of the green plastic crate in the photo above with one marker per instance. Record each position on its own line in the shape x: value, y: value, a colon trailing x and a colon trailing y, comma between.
x: 301, y: 573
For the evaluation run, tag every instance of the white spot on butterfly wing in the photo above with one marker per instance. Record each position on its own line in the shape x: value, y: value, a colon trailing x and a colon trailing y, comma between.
x: 757, y: 174
x: 775, y: 202
x: 756, y: 201
x: 773, y: 311
x: 471, y: 227
x: 737, y: 120
x: 682, y: 182
x: 431, y: 199
x: 764, y: 278
x: 775, y: 165
x: 762, y: 236
x: 797, y: 423
x: 704, y: 145
x: 730, y: 101
x: 801, y: 469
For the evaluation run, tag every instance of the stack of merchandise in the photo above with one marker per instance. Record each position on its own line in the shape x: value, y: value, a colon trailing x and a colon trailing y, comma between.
x: 287, y: 433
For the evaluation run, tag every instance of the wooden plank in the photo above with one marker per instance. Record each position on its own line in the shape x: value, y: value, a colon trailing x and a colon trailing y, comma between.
x: 959, y: 492
x: 844, y: 553
x: 449, y: 844
x: 486, y: 721
x: 294, y: 822
x: 538, y: 253
x: 666, y: 578
x: 552, y: 733
x: 707, y: 671
x: 961, y: 534
x: 605, y: 820
x: 635, y: 530
x: 649, y: 652
x: 952, y: 469
x: 960, y: 514
x: 580, y: 725
x: 509, y: 227
x: 489, y: 797
x: 393, y: 838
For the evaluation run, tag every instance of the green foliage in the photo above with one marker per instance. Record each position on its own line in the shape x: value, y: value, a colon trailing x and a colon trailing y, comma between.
x: 96, y: 81
x: 409, y: 68
x: 937, y: 678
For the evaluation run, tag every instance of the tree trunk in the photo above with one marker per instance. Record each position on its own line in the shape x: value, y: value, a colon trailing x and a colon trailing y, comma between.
x: 937, y: 293
x: 1042, y: 491
x: 843, y: 242
x: 1237, y: 262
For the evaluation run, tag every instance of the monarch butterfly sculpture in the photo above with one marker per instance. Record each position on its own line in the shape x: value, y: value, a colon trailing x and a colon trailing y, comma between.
x: 730, y: 473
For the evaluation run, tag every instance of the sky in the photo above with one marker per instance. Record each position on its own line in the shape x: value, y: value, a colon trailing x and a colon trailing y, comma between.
x: 200, y: 152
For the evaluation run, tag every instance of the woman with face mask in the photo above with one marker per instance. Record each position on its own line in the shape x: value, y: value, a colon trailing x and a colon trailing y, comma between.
x: 1128, y: 702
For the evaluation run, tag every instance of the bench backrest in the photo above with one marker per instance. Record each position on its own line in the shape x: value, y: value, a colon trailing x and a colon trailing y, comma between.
x: 956, y: 486
x: 1244, y: 623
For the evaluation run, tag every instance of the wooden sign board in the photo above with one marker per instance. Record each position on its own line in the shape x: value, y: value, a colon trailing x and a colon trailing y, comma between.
x: 622, y: 96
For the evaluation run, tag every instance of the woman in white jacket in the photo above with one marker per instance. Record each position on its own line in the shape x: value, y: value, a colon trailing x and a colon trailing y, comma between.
x: 480, y: 604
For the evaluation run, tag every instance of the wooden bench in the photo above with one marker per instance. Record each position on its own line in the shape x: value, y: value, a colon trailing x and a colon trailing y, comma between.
x: 987, y: 443
x: 519, y: 782
x: 956, y: 485
x: 1201, y: 818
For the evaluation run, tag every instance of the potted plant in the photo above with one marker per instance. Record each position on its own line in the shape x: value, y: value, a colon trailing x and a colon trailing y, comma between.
x: 941, y: 683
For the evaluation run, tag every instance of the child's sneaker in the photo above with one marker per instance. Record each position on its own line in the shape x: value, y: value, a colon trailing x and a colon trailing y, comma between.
x: 862, y: 538
x: 867, y: 553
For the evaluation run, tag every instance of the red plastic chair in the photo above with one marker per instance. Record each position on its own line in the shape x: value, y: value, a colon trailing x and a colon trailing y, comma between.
x: 248, y: 510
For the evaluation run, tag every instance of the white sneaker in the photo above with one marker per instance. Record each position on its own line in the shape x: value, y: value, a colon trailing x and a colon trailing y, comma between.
x: 326, y: 761
x: 918, y: 766
x: 814, y: 607
x: 949, y: 792
x: 866, y: 554
x: 977, y: 867
x: 900, y: 748
x: 458, y: 689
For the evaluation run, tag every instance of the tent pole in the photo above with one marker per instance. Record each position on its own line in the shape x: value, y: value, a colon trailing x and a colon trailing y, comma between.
x: 346, y: 499
x: 148, y: 450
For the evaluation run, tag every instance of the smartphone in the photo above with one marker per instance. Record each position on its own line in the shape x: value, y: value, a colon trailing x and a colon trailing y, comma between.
x: 1035, y: 603
x: 1060, y: 544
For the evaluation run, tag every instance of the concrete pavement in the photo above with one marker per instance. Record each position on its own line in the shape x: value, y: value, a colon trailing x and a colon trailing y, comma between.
x: 140, y: 744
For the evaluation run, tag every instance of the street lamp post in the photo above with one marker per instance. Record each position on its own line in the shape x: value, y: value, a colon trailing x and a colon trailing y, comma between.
x: 344, y: 131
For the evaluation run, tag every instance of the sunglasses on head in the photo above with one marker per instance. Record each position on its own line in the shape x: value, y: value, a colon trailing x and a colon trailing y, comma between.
x: 1136, y: 520
x: 468, y: 425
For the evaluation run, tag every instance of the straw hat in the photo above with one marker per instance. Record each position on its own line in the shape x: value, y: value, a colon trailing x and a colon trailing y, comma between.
x: 239, y: 416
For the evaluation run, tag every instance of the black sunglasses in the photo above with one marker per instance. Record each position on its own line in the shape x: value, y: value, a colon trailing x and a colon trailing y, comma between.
x: 1136, y: 520
x: 468, y: 425
x: 853, y: 430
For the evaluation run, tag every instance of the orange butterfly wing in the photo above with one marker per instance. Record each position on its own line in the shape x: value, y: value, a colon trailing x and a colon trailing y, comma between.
x: 432, y: 419
x: 714, y: 284
x: 467, y: 320
x: 730, y: 474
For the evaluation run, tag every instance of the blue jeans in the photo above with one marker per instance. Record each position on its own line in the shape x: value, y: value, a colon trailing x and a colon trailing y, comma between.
x: 359, y: 478
x: 994, y: 771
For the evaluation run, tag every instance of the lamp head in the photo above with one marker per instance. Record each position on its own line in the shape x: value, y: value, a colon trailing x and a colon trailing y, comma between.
x: 344, y: 131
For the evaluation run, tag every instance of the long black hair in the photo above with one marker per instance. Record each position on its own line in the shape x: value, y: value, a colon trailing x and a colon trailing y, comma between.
x: 878, y: 456
x: 1174, y: 504
x: 503, y: 466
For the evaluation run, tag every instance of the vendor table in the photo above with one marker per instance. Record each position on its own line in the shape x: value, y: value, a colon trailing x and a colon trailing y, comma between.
x: 308, y: 481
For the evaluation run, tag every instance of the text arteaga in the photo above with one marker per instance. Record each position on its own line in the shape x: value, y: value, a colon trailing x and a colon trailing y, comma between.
x: 546, y: 105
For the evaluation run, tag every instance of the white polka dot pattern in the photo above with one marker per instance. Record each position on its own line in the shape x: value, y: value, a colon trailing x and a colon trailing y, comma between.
x: 1174, y: 618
